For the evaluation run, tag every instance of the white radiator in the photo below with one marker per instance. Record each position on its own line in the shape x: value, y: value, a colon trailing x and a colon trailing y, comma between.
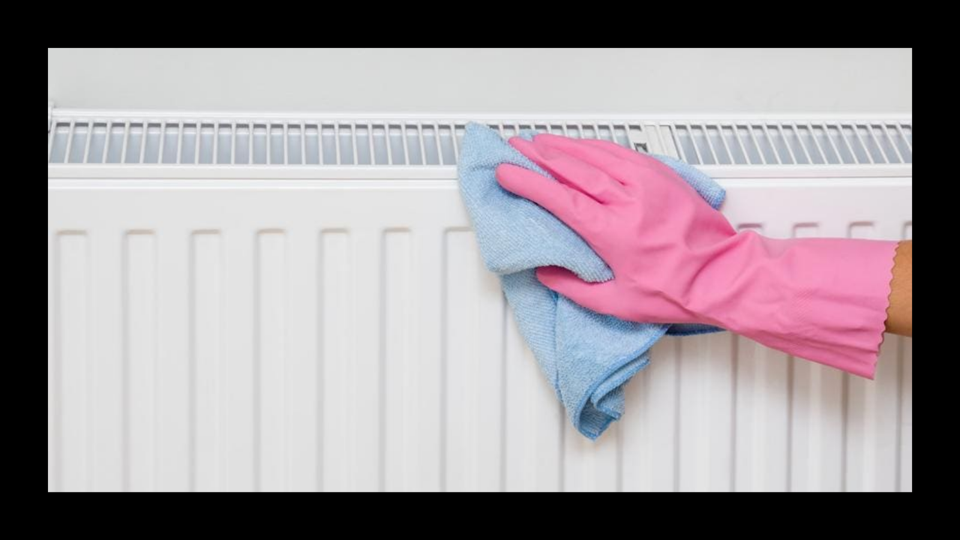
x: 262, y: 302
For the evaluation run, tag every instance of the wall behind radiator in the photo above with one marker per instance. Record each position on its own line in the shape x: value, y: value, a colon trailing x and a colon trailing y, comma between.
x: 471, y: 80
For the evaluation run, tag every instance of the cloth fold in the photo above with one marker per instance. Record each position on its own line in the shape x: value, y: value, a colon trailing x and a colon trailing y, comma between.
x: 587, y: 357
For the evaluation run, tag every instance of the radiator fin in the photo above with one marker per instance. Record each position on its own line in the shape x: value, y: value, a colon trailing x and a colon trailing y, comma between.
x: 290, y: 143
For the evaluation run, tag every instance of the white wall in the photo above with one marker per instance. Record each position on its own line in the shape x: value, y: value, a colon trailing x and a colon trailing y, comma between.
x: 499, y: 80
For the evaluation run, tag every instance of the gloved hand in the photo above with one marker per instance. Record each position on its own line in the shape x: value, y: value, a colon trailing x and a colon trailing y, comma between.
x: 677, y: 260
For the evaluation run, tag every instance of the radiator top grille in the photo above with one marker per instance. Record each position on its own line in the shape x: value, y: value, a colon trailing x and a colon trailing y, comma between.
x: 177, y: 141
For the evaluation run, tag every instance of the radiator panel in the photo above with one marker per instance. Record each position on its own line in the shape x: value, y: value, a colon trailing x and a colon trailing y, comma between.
x: 344, y: 335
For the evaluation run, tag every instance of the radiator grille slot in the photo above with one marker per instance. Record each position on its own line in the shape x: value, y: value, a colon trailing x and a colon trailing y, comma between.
x: 79, y: 140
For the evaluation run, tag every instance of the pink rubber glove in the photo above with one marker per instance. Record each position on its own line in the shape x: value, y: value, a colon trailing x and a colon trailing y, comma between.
x: 677, y: 260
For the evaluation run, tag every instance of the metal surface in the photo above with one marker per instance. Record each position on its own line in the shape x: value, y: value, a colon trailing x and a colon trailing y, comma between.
x: 297, y: 327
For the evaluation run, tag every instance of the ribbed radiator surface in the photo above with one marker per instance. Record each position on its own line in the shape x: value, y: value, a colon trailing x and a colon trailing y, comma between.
x: 342, y: 334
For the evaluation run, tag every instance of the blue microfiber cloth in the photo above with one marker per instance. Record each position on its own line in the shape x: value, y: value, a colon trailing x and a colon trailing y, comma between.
x: 587, y: 357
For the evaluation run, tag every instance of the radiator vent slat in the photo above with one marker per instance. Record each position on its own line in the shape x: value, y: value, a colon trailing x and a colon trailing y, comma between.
x: 95, y: 141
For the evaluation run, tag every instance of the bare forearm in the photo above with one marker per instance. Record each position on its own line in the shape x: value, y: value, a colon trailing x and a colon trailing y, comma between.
x: 900, y: 312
